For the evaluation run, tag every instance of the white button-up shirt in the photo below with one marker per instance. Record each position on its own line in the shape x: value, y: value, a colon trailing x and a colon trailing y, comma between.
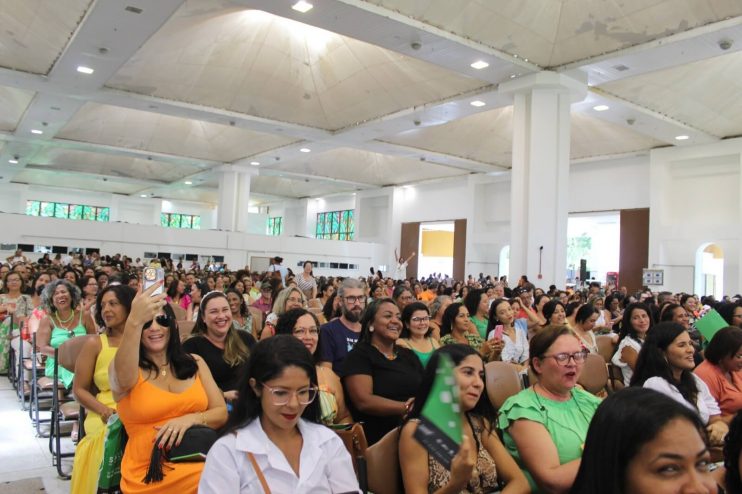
x: 325, y: 465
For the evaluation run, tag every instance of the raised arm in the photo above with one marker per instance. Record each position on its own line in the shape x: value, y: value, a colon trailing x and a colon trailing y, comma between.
x: 124, y: 370
x: 410, y: 257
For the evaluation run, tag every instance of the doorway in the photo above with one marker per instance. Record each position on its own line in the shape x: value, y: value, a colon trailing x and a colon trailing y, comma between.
x: 709, y: 271
x: 436, y: 248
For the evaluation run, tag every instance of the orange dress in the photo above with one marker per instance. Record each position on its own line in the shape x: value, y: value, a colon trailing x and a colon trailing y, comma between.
x: 145, y: 407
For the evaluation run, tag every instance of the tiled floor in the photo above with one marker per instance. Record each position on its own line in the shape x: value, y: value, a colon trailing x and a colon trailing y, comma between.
x: 22, y: 454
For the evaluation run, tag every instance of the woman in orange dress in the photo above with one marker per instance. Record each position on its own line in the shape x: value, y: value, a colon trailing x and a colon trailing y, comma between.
x: 161, y: 392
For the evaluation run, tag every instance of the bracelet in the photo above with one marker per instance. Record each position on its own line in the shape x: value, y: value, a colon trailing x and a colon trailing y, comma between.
x: 203, y: 418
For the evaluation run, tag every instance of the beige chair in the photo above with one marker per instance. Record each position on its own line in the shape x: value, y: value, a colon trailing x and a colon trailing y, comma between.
x: 594, y: 376
x: 615, y: 378
x: 502, y: 381
x: 382, y: 465
x: 314, y: 303
x: 185, y: 328
x: 606, y: 347
x: 180, y: 312
x: 257, y: 318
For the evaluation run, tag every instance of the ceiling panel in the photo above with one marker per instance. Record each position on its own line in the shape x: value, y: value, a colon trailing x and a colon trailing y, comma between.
x: 287, y: 187
x: 115, y: 126
x: 555, y: 32
x: 106, y: 164
x: 484, y: 137
x: 248, y: 61
x: 194, y: 194
x: 368, y: 168
x: 35, y: 32
x: 703, y: 94
x: 13, y: 102
x: 592, y: 137
x: 73, y: 181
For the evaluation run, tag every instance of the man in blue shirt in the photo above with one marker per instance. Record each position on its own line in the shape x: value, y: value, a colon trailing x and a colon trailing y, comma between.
x: 339, y: 335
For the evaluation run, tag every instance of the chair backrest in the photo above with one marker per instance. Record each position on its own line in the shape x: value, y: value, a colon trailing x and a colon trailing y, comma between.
x: 185, y: 328
x: 70, y: 350
x: 502, y: 381
x: 615, y: 378
x: 180, y: 312
x: 594, y: 377
x: 314, y: 302
x: 257, y: 316
x: 382, y: 465
x: 606, y: 347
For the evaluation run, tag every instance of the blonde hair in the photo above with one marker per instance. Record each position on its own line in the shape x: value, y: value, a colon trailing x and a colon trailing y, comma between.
x: 235, y: 350
x: 279, y: 306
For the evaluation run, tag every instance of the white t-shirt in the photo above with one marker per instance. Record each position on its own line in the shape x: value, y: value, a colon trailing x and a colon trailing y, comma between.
x: 516, y: 351
x: 325, y: 464
x: 401, y: 273
x: 705, y: 403
x: 627, y: 372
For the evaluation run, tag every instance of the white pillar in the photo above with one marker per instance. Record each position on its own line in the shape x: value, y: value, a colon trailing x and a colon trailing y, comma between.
x: 234, y: 197
x: 243, y: 200
x: 539, y: 186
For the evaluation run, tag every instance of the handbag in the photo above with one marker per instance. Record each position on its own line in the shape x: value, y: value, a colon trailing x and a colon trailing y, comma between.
x: 196, y: 443
x: 109, y: 474
x: 355, y: 442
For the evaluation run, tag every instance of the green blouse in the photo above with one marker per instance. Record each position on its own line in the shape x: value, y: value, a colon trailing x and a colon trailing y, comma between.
x: 566, y: 421
x: 475, y: 341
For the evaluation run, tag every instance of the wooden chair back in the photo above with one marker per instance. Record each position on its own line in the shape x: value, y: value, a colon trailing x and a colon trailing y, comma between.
x: 185, y: 328
x: 257, y: 316
x: 594, y: 377
x: 180, y: 312
x: 606, y: 347
x: 314, y: 303
x: 502, y: 382
x: 382, y: 465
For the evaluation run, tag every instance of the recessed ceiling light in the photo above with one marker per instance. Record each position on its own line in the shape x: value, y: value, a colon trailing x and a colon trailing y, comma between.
x: 601, y: 107
x: 13, y: 162
x: 37, y: 131
x: 188, y: 182
x: 477, y: 103
x: 142, y: 195
x: 302, y: 6
x: 85, y: 70
x: 255, y: 163
x: 479, y: 65
x: 513, y: 76
x: 682, y: 138
x: 305, y: 150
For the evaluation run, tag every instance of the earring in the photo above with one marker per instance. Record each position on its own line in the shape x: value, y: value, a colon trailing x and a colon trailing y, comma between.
x: 370, y: 329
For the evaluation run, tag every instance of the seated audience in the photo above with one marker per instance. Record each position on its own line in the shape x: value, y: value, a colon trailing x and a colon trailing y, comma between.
x: 437, y: 307
x: 722, y: 371
x: 482, y: 461
x: 642, y: 442
x: 478, y: 305
x: 274, y: 438
x: 91, y: 372
x: 544, y: 426
x: 176, y: 294
x: 287, y: 299
x: 339, y: 336
x: 585, y: 318
x: 514, y: 332
x: 380, y: 378
x: 458, y: 328
x: 665, y: 364
x: 224, y: 348
x: 302, y: 324
x: 161, y: 392
x: 634, y: 326
x: 416, y: 332
x: 555, y: 313
x: 242, y: 320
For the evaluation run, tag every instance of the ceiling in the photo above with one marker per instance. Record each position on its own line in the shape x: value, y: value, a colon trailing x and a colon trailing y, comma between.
x: 351, y: 95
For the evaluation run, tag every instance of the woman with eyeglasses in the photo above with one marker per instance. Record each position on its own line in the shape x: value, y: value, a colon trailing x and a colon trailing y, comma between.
x: 544, y: 426
x: 304, y: 325
x: 274, y: 440
x: 417, y: 332
x: 161, y: 392
x: 224, y: 348
x: 289, y: 298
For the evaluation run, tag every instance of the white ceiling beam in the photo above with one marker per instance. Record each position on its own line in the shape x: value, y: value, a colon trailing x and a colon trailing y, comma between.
x: 429, y: 156
x: 97, y: 176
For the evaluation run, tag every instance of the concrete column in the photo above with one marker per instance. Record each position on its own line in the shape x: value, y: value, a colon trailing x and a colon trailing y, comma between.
x: 234, y: 197
x: 539, y: 187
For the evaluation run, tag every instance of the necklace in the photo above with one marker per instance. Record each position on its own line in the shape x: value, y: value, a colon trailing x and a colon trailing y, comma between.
x: 66, y: 321
x: 388, y: 357
x: 163, y: 369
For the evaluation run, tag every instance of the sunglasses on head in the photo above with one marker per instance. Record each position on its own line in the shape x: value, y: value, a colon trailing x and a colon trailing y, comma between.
x: 162, y: 319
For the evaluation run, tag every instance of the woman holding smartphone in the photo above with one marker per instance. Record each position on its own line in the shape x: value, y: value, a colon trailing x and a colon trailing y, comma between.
x: 513, y: 332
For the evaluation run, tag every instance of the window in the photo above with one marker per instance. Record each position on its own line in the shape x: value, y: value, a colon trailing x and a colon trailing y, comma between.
x: 67, y: 211
x: 178, y: 220
x: 274, y: 226
x: 336, y: 225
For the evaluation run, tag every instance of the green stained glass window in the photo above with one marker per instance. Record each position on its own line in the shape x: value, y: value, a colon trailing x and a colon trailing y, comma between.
x: 75, y: 212
x: 175, y: 220
x: 186, y: 221
x: 164, y: 220
x: 47, y: 209
x: 104, y: 214
x: 196, y: 222
x: 178, y: 220
x: 335, y: 225
x: 61, y: 211
x: 274, y: 226
x: 33, y: 208
x: 88, y: 213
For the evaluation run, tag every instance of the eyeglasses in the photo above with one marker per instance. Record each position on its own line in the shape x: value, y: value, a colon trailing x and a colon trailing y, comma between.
x: 354, y: 299
x: 295, y: 300
x: 313, y: 331
x: 420, y: 319
x: 405, y: 297
x: 162, y: 320
x: 563, y: 358
x: 282, y: 396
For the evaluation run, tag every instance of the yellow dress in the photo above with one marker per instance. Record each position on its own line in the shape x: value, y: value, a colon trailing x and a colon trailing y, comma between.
x: 89, y: 451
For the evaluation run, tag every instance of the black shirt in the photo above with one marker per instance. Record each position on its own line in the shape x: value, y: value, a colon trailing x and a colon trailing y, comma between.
x: 396, y: 380
x: 226, y: 377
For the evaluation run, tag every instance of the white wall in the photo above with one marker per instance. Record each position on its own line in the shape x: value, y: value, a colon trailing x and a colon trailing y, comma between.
x: 609, y: 185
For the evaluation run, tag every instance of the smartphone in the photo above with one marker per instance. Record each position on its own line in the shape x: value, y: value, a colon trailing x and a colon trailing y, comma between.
x: 152, y: 276
x: 496, y: 334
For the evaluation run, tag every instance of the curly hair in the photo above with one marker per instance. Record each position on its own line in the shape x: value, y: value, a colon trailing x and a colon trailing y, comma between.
x: 47, y: 296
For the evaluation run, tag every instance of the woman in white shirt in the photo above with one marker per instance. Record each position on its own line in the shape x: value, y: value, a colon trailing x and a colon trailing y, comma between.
x: 514, y: 332
x: 666, y: 364
x: 273, y: 441
x: 634, y: 326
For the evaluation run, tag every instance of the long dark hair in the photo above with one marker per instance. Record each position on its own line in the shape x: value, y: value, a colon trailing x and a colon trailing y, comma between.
x: 267, y: 361
x: 493, y: 320
x: 732, y: 450
x: 327, y: 309
x: 124, y: 294
x: 449, y: 318
x: 472, y: 300
x: 243, y: 306
x: 627, y: 329
x: 183, y: 364
x: 457, y: 352
x: 549, y: 309
x: 621, y: 426
x: 652, y: 361
x: 287, y: 321
x: 407, y: 317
